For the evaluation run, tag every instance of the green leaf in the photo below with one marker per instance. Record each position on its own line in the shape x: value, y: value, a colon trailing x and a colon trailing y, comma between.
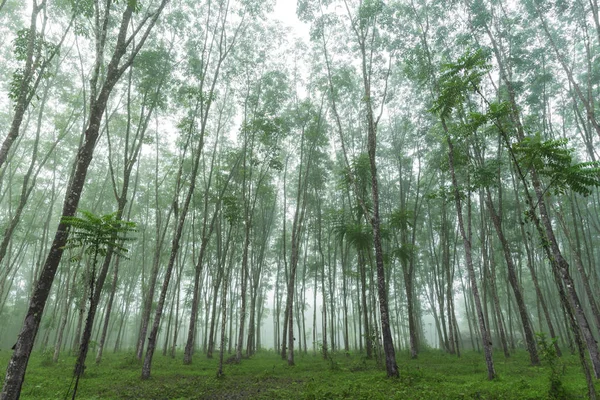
x: 97, y: 234
x: 401, y: 219
x: 553, y: 159
x: 458, y: 80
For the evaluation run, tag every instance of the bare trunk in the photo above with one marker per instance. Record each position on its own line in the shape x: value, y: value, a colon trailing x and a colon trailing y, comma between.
x: 514, y: 283
x: 388, y: 344
x: 111, y: 299
x: 175, y: 244
x: 189, y: 346
x: 224, y: 289
x: 487, y: 343
x: 563, y: 270
x: 64, y: 317
x: 290, y: 299
x: 211, y: 334
x: 244, y: 283
x: 363, y: 298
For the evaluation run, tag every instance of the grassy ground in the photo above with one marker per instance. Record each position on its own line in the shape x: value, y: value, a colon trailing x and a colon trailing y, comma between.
x: 433, y: 376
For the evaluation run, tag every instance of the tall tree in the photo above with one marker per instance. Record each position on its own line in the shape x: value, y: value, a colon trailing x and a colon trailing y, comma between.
x: 444, y: 110
x: 98, y: 236
x: 366, y: 24
x: 100, y: 91
x: 36, y: 54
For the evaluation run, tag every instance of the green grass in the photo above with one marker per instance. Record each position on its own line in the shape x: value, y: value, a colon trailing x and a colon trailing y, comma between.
x: 434, y: 375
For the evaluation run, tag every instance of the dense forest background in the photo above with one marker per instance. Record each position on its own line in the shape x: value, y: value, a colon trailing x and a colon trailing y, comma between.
x: 200, y: 177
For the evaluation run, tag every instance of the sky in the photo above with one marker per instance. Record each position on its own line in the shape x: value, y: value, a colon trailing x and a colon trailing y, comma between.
x: 285, y: 11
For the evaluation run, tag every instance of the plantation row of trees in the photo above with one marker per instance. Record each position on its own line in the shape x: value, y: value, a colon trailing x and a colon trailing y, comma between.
x: 174, y: 174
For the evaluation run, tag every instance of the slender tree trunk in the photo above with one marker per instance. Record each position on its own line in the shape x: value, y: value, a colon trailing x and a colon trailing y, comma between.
x: 514, y: 283
x: 213, y: 322
x: 81, y: 311
x: 189, y: 346
x: 147, y: 366
x: 534, y: 276
x: 28, y: 81
x: 111, y: 299
x: 543, y: 224
x: 323, y: 292
x: 65, y: 314
x: 487, y: 343
x: 585, y: 280
x: 277, y: 308
x: 244, y: 283
x: 345, y: 301
x: 363, y: 298
x: 223, y: 306
x: 16, y: 370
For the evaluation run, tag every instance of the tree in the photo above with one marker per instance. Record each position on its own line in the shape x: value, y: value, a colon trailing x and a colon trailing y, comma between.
x: 220, y: 39
x: 444, y: 105
x: 309, y: 125
x: 367, y: 24
x: 542, y: 159
x: 153, y: 69
x: 98, y: 236
x: 36, y: 54
x: 99, y: 95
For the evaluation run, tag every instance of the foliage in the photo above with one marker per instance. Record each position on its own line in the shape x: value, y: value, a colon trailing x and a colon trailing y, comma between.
x: 215, y: 75
x: 433, y: 376
x: 46, y: 357
x: 458, y: 79
x: 154, y: 68
x: 97, y: 234
x: 360, y: 236
x: 401, y: 219
x: 557, y: 369
x: 232, y: 209
x: 553, y: 159
x: 43, y: 51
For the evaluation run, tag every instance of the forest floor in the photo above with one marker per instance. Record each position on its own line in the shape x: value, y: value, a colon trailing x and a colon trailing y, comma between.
x: 434, y: 375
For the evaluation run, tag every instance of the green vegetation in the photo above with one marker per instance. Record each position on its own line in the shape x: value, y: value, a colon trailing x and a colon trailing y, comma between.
x: 548, y: 352
x: 344, y: 177
x: 434, y: 375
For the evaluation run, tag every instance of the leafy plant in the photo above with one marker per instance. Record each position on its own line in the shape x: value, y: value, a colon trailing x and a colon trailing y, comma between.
x: 98, y: 234
x: 334, y: 365
x: 47, y: 357
x: 457, y: 80
x: 557, y: 370
x: 552, y: 158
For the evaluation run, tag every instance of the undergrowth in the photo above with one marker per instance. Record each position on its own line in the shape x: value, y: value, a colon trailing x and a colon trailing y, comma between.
x: 434, y: 375
x: 556, y: 367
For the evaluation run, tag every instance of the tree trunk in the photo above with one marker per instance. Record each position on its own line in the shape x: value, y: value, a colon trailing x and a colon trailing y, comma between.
x: 224, y: 289
x: 487, y: 343
x: 28, y: 81
x: 175, y: 244
x: 16, y: 369
x: 244, y: 283
x: 65, y: 314
x: 189, y: 346
x: 363, y: 298
x: 111, y: 299
x: 514, y: 283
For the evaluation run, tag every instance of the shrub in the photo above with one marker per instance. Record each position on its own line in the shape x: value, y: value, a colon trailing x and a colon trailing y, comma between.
x: 557, y: 369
